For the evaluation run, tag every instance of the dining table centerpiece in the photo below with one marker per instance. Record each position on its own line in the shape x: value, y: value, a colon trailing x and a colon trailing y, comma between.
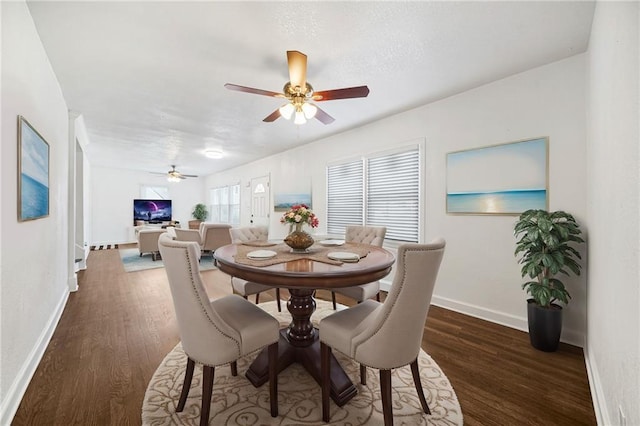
x: 298, y: 216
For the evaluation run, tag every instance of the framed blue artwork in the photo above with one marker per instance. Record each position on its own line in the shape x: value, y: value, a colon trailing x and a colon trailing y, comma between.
x: 501, y: 179
x: 33, y: 173
x: 284, y: 201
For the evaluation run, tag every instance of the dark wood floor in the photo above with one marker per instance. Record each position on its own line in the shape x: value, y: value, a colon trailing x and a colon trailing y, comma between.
x: 118, y: 327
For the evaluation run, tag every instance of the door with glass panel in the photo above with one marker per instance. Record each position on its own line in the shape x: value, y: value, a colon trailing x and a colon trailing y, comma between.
x: 260, y: 201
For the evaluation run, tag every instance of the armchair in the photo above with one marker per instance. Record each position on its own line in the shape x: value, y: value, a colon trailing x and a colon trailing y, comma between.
x: 148, y: 241
x: 209, y: 237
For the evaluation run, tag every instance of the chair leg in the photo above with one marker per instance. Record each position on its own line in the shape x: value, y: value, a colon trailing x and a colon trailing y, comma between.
x: 325, y: 377
x: 257, y: 298
x: 415, y: 372
x: 273, y: 378
x: 333, y: 300
x: 188, y: 375
x: 234, y: 368
x: 385, y: 391
x: 363, y: 374
x: 378, y: 296
x: 278, y: 299
x: 207, y: 389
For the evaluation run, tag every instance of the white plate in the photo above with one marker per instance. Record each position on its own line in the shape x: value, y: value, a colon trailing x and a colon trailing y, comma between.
x: 261, y: 254
x: 330, y: 243
x: 343, y: 256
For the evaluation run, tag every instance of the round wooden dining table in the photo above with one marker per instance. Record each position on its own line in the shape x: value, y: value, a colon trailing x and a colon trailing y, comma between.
x: 302, y: 276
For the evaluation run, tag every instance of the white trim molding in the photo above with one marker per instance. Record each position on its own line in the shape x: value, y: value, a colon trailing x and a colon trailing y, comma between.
x: 11, y: 400
x: 519, y: 323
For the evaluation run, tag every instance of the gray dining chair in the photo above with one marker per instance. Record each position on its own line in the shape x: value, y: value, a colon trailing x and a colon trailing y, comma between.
x: 243, y: 287
x: 385, y: 335
x: 214, y: 332
x: 373, y: 235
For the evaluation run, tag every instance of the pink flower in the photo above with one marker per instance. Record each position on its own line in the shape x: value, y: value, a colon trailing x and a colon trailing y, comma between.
x: 300, y: 213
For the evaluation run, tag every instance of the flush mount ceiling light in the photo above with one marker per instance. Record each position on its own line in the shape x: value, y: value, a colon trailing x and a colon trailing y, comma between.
x: 299, y: 93
x: 214, y: 153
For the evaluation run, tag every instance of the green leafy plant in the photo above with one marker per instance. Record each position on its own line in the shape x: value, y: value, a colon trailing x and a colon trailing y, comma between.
x: 544, y: 240
x: 200, y: 212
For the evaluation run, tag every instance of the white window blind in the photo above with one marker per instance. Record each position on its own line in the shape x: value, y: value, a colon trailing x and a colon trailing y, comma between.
x: 345, y: 196
x: 382, y: 190
x: 393, y: 194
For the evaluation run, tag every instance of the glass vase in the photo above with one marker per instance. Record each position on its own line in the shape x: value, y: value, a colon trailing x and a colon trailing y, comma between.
x: 299, y: 240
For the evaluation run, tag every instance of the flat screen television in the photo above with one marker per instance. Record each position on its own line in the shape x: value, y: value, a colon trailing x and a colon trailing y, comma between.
x: 152, y: 211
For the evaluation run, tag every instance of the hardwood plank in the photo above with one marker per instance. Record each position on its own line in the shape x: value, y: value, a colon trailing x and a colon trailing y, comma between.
x: 118, y: 327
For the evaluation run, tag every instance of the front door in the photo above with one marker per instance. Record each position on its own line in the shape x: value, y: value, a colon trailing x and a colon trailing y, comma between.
x: 260, y: 201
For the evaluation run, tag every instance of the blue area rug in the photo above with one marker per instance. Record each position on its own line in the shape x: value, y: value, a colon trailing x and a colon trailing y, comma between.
x: 132, y: 261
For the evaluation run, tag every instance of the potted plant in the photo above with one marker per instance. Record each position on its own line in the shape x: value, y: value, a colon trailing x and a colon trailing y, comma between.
x: 544, y: 245
x: 199, y: 213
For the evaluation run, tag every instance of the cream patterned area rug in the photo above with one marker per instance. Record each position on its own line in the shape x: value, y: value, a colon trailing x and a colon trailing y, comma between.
x: 236, y: 402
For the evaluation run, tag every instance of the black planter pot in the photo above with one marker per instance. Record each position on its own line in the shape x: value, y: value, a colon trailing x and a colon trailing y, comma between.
x: 545, y: 326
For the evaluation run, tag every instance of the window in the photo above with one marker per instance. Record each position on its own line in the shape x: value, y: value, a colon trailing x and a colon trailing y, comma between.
x: 225, y: 204
x: 381, y: 190
x: 345, y: 189
x: 154, y: 192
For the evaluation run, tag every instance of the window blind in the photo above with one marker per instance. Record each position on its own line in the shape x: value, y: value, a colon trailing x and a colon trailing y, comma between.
x: 345, y: 196
x: 393, y: 194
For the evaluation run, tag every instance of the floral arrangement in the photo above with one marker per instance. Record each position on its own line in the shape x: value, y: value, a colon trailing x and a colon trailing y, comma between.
x: 298, y: 215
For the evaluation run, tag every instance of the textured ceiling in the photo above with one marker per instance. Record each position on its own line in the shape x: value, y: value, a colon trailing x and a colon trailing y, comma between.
x: 148, y: 77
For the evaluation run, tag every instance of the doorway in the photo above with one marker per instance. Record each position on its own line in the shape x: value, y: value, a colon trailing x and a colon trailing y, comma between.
x: 260, y: 201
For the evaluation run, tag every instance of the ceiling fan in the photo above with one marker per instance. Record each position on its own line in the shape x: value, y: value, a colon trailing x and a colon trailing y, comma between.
x: 299, y: 94
x: 173, y: 175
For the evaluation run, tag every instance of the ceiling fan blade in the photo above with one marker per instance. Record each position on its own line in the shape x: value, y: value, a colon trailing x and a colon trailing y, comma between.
x: 186, y: 176
x: 252, y: 90
x: 297, y: 68
x: 272, y: 117
x: 323, y: 117
x: 346, y: 93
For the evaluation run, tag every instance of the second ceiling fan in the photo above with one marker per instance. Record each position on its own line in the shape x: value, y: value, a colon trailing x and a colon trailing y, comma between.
x: 299, y: 94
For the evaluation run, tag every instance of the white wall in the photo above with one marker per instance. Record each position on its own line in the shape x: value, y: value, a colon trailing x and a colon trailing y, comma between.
x: 112, y: 194
x: 479, y: 274
x: 34, y: 259
x: 613, y: 344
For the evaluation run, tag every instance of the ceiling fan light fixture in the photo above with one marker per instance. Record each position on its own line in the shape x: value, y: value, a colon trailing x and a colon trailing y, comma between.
x: 216, y: 154
x: 309, y: 110
x: 173, y: 178
x: 300, y: 117
x: 287, y: 110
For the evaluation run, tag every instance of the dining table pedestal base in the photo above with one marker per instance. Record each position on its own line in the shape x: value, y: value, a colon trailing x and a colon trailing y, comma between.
x: 342, y: 389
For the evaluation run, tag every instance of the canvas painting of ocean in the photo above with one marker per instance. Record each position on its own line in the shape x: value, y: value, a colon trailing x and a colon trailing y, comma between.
x: 34, y: 173
x: 502, y: 179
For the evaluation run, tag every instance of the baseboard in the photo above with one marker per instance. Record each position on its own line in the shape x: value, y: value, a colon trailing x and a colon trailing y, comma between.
x: 11, y: 400
x: 519, y: 323
x: 597, y: 394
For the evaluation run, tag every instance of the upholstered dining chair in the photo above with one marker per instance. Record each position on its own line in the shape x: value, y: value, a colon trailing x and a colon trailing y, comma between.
x: 214, y: 332
x: 243, y: 287
x: 373, y: 235
x: 386, y: 335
